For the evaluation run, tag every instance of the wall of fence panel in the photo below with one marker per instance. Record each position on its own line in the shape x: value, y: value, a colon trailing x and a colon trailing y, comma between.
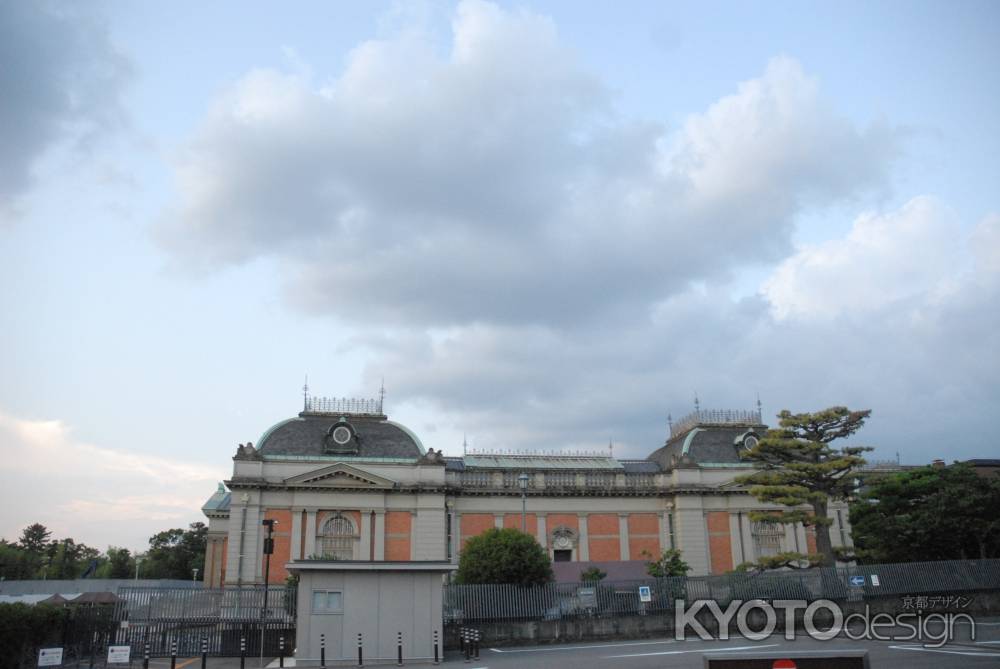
x: 553, y: 601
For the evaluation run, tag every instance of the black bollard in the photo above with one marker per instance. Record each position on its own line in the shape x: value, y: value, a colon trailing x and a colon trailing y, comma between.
x: 436, y: 660
x: 145, y: 656
x: 361, y: 656
x: 173, y: 654
x: 281, y: 651
x: 476, y: 637
x: 243, y: 652
x: 322, y: 650
x: 399, y: 648
x: 204, y: 651
x: 466, y: 646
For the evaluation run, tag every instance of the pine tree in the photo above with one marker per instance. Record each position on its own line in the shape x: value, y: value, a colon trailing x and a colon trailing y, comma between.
x: 799, y: 467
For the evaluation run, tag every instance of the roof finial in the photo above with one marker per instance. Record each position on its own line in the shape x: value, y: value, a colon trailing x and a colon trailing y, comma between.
x: 611, y: 446
x: 305, y: 394
x: 465, y: 445
x: 697, y: 404
x: 760, y: 412
x: 381, y: 397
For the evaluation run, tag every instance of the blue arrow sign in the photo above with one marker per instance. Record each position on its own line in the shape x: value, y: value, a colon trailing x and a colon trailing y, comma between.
x: 858, y: 580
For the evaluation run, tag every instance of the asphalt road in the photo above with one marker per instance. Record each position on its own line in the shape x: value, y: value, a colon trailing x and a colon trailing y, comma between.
x: 983, y: 651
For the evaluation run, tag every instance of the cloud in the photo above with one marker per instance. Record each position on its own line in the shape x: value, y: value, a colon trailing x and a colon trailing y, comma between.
x: 497, y: 183
x: 61, y: 79
x: 921, y: 356
x: 96, y: 495
x: 883, y: 259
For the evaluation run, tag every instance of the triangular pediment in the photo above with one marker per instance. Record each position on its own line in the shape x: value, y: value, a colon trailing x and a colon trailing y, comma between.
x: 340, y: 475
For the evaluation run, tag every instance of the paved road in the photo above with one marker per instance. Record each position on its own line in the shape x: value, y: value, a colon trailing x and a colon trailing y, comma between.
x: 981, y: 652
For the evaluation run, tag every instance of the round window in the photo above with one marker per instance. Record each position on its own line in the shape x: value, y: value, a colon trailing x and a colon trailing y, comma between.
x: 341, y: 434
x: 750, y: 442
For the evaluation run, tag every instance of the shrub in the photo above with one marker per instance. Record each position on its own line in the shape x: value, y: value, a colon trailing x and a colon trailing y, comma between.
x: 504, y: 556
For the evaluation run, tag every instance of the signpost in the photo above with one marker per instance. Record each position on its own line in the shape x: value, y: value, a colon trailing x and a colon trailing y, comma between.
x: 50, y: 657
x: 645, y: 595
x: 119, y: 654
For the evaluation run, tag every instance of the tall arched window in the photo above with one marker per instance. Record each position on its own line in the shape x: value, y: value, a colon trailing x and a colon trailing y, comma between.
x: 336, y: 540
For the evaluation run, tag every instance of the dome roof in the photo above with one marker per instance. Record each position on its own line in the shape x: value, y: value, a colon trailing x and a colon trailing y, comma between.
x: 323, y: 434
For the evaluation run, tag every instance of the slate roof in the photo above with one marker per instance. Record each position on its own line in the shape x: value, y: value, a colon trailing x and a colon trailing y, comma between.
x: 540, y: 462
x: 305, y: 434
x: 706, y: 444
x: 219, y: 501
x: 640, y: 466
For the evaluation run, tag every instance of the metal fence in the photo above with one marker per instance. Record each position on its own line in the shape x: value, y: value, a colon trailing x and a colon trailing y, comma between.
x: 225, y: 618
x: 553, y: 601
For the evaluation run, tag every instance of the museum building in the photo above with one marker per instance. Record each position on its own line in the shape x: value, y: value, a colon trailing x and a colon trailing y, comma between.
x: 342, y: 481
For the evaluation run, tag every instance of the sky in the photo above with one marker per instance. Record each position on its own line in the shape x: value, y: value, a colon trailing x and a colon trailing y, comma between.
x: 543, y: 225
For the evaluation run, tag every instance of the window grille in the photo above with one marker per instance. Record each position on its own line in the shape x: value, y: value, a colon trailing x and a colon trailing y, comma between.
x: 767, y: 538
x: 560, y: 479
x: 599, y: 479
x: 337, y: 538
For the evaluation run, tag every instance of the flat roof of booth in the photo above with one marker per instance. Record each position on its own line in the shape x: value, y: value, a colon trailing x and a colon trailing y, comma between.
x: 369, y: 565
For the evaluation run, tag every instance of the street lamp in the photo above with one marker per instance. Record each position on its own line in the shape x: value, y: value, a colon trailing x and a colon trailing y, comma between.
x: 522, y: 483
x: 269, y: 523
x: 194, y: 574
x: 138, y: 560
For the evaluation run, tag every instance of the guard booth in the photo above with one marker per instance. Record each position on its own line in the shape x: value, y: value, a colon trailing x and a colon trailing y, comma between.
x: 382, y: 608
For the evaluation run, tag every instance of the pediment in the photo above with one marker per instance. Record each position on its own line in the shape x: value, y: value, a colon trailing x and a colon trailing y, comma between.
x: 340, y: 475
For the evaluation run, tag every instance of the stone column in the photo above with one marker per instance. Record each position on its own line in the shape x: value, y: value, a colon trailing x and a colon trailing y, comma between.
x: 692, y: 533
x: 310, y: 533
x: 623, y: 547
x: 413, y: 534
x: 541, y: 535
x: 296, y: 539
x: 498, y: 521
x: 736, y: 538
x: 379, y: 535
x: 583, y: 555
x: 664, y: 532
x: 365, y: 537
x: 456, y: 535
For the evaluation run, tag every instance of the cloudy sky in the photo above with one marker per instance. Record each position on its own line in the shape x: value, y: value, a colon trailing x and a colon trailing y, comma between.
x: 545, y: 225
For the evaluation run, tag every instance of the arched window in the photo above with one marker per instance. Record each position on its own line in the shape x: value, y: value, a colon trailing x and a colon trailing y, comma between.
x: 336, y: 540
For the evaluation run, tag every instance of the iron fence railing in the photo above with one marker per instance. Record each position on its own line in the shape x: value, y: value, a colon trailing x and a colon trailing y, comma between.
x: 552, y: 601
x: 223, y: 619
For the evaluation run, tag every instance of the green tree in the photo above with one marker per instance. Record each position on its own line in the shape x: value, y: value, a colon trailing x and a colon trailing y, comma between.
x: 35, y: 538
x: 668, y: 564
x: 593, y: 574
x: 15, y: 562
x: 799, y: 468
x: 931, y: 513
x: 504, y: 556
x: 175, y: 553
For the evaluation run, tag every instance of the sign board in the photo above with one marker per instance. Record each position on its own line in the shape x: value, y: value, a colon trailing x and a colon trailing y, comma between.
x: 124, y: 625
x: 119, y: 654
x: 50, y: 657
x: 875, y: 580
x: 644, y: 594
x: 857, y: 581
x: 588, y: 597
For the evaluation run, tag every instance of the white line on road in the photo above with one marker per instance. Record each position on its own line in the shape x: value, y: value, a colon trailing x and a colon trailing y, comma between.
x: 601, y: 645
x: 972, y: 653
x: 679, y: 652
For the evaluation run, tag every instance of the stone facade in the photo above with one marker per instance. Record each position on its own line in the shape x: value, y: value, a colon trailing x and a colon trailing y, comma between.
x: 356, y: 486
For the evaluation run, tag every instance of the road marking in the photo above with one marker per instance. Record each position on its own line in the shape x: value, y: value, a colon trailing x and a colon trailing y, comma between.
x: 679, y: 652
x: 602, y: 645
x: 974, y: 653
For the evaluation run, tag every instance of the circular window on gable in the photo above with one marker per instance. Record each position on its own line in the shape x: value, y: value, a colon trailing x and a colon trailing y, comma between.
x: 750, y: 442
x: 341, y: 434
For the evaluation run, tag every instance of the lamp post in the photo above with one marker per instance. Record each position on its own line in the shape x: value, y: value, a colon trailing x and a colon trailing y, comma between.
x: 194, y: 574
x: 269, y: 523
x: 522, y: 483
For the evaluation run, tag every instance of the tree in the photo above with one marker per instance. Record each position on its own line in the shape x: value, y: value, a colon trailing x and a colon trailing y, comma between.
x: 504, y: 556
x: 35, y: 538
x: 120, y: 564
x: 798, y: 468
x: 668, y: 564
x: 593, y: 574
x: 175, y: 553
x: 931, y: 513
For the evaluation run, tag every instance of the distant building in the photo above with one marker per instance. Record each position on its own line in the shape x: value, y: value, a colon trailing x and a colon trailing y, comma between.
x: 344, y: 481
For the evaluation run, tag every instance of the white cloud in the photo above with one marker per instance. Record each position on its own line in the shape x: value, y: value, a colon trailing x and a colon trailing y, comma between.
x: 883, y: 259
x: 96, y: 495
x: 497, y: 184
